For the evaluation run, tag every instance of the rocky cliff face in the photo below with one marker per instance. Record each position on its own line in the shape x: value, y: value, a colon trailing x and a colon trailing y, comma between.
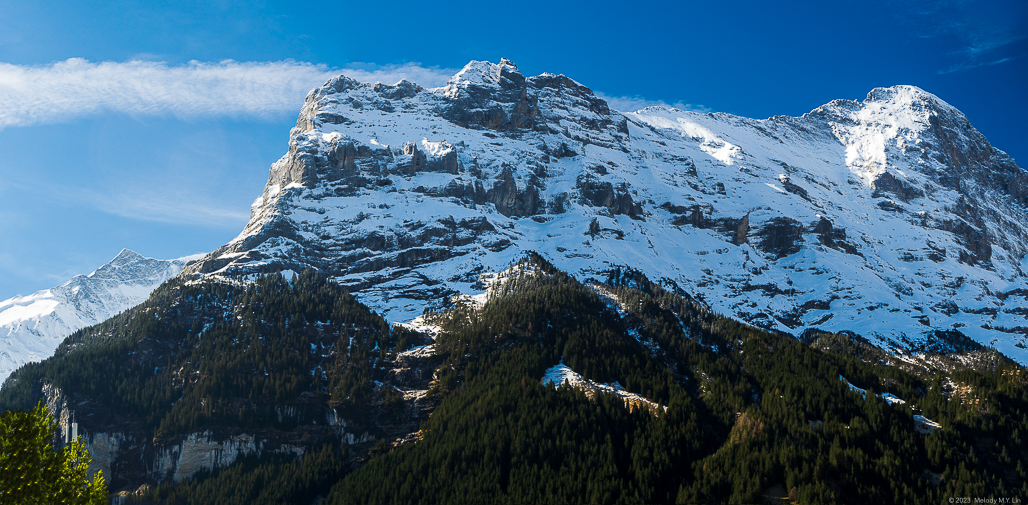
x: 891, y: 217
x: 127, y: 456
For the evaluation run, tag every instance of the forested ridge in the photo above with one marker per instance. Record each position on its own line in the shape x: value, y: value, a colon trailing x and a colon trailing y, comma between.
x: 750, y: 415
x: 264, y: 357
x: 200, y: 354
x: 748, y: 412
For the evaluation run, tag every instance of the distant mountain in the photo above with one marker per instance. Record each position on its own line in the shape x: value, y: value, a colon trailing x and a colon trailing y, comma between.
x: 31, y: 327
x: 891, y: 217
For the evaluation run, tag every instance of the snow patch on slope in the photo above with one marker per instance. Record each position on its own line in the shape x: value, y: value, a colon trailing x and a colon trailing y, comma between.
x: 420, y: 324
x: 922, y: 424
x: 558, y: 374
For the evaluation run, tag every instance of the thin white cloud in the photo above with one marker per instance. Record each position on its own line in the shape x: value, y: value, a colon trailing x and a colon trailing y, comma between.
x: 960, y: 67
x: 634, y: 103
x: 141, y: 202
x: 162, y: 209
x: 75, y: 88
x: 427, y: 77
x: 981, y: 44
x: 21, y: 271
x: 31, y: 95
x: 984, y: 36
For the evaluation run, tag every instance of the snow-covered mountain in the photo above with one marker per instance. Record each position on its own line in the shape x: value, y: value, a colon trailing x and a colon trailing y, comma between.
x: 31, y: 327
x: 891, y: 217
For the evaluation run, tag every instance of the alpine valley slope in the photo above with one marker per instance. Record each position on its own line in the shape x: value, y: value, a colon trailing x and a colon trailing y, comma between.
x: 891, y: 217
x: 31, y: 327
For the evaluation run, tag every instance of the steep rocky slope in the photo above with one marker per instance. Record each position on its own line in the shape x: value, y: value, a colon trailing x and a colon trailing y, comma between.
x: 891, y: 217
x: 32, y: 326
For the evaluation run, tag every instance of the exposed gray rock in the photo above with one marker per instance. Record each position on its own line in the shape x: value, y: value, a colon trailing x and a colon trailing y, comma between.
x: 888, y: 183
x: 696, y: 216
x: 510, y: 201
x: 830, y: 236
x: 497, y: 102
x: 793, y: 188
x: 780, y: 237
x: 742, y: 231
x: 603, y: 194
x: 975, y: 241
x: 403, y: 194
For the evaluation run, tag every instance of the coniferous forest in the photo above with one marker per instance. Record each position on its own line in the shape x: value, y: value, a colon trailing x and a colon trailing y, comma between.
x: 743, y: 416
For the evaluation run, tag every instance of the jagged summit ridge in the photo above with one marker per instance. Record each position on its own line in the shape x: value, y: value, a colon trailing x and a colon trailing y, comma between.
x: 31, y: 327
x: 484, y: 74
x: 891, y: 217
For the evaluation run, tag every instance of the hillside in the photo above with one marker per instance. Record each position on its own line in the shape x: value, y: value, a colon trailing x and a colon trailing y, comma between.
x: 206, y: 377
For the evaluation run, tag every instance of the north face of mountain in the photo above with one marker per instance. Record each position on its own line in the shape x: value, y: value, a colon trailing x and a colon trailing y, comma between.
x: 891, y: 217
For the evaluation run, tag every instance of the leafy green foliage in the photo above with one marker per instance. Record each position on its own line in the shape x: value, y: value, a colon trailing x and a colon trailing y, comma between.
x: 31, y: 472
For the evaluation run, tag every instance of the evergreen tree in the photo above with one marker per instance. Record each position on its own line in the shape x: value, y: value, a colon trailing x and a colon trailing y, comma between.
x: 32, y: 472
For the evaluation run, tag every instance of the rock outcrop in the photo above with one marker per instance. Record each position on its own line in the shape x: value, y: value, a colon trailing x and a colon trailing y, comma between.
x: 405, y: 194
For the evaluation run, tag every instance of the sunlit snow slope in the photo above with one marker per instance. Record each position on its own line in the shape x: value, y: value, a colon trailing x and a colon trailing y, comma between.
x: 891, y: 217
x: 31, y: 327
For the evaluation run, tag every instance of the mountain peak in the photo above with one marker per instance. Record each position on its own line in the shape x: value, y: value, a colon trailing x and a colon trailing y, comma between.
x: 483, y: 73
x: 126, y: 255
x: 126, y: 259
x: 486, y: 74
x: 902, y: 92
x: 405, y: 198
x: 508, y: 66
x: 896, y: 99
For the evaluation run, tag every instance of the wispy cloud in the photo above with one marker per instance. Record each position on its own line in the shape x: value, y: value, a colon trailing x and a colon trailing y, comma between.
x: 428, y: 77
x: 634, y: 103
x: 973, y: 34
x: 173, y: 210
x: 70, y: 89
x: 969, y: 64
x: 159, y: 203
x: 20, y: 269
x: 982, y: 45
x: 63, y: 91
x: 76, y: 88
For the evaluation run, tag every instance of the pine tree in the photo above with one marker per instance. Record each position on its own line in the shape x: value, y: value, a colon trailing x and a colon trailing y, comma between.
x: 31, y: 472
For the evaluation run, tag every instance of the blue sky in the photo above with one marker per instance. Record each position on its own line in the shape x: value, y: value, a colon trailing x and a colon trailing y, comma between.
x: 151, y: 125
